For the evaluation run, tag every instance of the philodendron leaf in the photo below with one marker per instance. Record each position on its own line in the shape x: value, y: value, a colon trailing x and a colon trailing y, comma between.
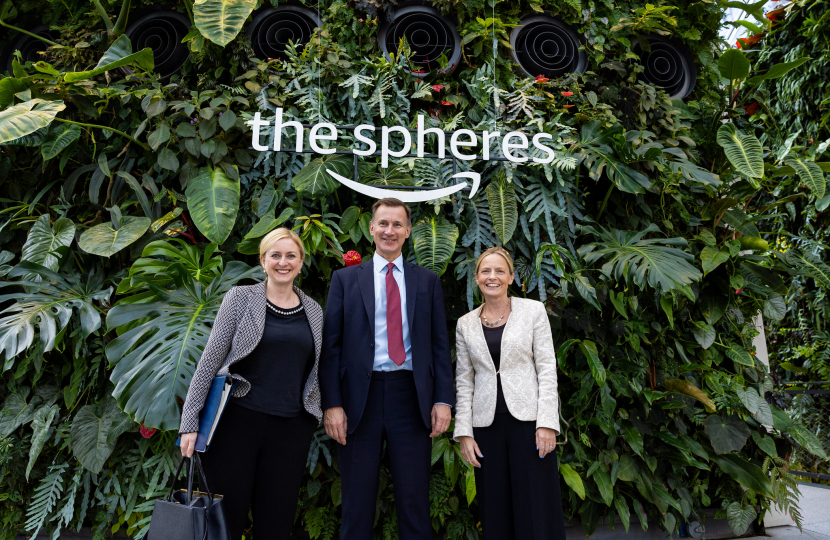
x: 221, y: 20
x: 58, y: 138
x: 740, y: 517
x: 704, y: 334
x: 809, y: 173
x: 775, y: 307
x: 44, y: 240
x: 27, y: 117
x: 105, y: 241
x: 313, y: 181
x: 733, y: 65
x: 90, y: 431
x: 502, y: 199
x: 749, y: 397
x: 689, y: 389
x: 711, y: 258
x: 808, y: 440
x: 589, y: 349
x: 778, y: 70
x: 743, y: 150
x: 213, y: 202
x: 40, y: 427
x: 745, y: 473
x: 119, y: 54
x: 726, y: 433
x: 573, y: 480
x: 740, y: 355
x: 434, y: 239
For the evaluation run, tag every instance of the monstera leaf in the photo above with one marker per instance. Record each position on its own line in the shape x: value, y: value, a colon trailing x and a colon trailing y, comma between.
x: 221, y: 20
x: 505, y: 214
x: 27, y: 117
x: 119, y: 54
x: 743, y: 150
x: 594, y: 149
x: 213, y: 202
x: 92, y: 442
x: 314, y: 182
x: 434, y: 239
x: 44, y: 240
x: 652, y: 261
x: 369, y: 173
x: 48, y: 305
x: 161, y: 335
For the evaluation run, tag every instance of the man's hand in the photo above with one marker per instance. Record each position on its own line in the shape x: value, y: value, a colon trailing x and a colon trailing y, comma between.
x: 335, y: 421
x: 441, y: 416
x: 188, y: 443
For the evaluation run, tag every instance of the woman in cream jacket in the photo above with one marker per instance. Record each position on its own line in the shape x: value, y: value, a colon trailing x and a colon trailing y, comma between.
x: 507, y: 414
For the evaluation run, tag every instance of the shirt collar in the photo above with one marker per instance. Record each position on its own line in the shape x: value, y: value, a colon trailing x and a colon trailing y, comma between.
x: 380, y: 263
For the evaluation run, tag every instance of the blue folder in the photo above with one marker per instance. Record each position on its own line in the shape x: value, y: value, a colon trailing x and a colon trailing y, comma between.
x: 212, y: 411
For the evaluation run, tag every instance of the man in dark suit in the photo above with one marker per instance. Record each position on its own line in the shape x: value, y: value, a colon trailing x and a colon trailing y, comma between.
x: 385, y: 372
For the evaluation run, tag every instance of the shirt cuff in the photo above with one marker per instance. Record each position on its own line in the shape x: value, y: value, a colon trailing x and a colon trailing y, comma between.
x: 447, y: 404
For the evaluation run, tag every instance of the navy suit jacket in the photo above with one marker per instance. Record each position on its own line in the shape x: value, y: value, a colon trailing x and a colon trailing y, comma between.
x: 348, y: 351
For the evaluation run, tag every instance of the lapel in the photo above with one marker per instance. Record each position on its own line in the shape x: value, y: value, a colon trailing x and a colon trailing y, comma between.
x: 313, y: 322
x: 411, y: 280
x: 366, y: 281
x: 504, y: 337
x: 256, y: 319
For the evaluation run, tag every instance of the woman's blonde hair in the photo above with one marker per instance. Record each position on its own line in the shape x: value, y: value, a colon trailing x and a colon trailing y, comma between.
x: 275, y: 236
x: 496, y: 251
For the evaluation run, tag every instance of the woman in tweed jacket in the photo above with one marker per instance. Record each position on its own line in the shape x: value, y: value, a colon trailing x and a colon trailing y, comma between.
x: 268, y: 338
x: 507, y: 408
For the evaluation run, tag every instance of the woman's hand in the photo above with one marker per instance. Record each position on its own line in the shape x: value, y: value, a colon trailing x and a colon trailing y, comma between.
x: 188, y: 443
x: 545, y: 441
x: 469, y: 451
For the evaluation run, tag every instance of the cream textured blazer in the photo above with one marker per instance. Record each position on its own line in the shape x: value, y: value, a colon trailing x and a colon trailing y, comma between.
x: 527, y: 369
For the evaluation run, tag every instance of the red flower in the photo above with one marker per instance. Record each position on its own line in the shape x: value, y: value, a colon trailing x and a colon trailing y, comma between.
x: 352, y: 258
x: 541, y: 79
x: 752, y: 108
x: 738, y: 43
x: 567, y: 94
x: 568, y: 106
x: 446, y: 103
x: 146, y: 432
x: 776, y: 14
x: 738, y: 291
x: 437, y: 87
x: 418, y: 71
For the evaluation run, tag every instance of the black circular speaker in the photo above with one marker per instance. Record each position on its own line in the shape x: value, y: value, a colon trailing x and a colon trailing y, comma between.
x: 428, y: 33
x: 273, y: 27
x: 30, y: 48
x: 546, y: 46
x: 669, y: 66
x: 162, y: 30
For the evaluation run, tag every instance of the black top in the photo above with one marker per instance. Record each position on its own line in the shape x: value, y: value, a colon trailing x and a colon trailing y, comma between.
x: 493, y: 338
x: 280, y: 364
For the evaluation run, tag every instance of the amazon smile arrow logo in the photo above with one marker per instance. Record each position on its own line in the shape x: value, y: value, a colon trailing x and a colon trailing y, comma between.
x: 422, y: 196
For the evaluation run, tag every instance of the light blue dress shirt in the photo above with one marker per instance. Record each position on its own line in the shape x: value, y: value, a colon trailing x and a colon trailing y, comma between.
x: 382, y: 361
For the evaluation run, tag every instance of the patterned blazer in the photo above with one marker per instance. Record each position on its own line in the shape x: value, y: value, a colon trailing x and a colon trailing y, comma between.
x: 236, y: 332
x: 527, y: 369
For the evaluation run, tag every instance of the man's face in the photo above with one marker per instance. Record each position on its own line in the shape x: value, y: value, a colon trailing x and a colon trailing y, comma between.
x: 390, y: 230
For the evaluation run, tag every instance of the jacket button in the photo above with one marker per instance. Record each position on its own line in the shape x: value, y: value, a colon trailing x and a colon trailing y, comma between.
x: 369, y: 375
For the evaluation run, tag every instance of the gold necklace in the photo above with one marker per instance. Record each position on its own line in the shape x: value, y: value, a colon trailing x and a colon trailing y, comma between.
x: 491, y: 325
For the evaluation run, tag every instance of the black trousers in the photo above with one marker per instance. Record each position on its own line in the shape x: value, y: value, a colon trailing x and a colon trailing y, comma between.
x: 517, y: 491
x: 256, y: 460
x: 392, y: 413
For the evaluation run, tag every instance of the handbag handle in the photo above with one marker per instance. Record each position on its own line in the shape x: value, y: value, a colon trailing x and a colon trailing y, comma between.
x: 202, y: 479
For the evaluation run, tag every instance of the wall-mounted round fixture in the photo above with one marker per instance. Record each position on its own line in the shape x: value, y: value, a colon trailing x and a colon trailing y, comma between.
x: 669, y: 66
x: 30, y: 48
x: 162, y: 30
x: 428, y: 33
x: 273, y: 27
x: 546, y: 46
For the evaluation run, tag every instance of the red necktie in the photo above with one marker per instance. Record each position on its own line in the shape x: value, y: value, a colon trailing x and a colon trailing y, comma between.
x: 394, y: 326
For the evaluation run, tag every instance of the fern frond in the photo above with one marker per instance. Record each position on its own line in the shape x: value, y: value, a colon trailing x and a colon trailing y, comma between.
x: 45, y: 497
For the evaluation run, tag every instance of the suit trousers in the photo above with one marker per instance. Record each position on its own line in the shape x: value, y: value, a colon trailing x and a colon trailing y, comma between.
x: 517, y: 491
x: 391, y: 412
x: 256, y: 460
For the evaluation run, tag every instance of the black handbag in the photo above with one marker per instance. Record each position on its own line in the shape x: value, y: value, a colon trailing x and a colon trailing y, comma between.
x: 188, y: 514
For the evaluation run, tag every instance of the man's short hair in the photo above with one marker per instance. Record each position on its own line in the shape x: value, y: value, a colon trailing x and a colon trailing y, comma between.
x: 393, y: 203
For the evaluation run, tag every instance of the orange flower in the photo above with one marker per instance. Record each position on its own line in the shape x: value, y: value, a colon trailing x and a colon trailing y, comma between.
x: 567, y: 94
x: 777, y: 14
x: 446, y: 103
x: 568, y: 106
x: 541, y: 79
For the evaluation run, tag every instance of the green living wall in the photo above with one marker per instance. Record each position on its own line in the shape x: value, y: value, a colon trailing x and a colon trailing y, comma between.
x: 132, y: 203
